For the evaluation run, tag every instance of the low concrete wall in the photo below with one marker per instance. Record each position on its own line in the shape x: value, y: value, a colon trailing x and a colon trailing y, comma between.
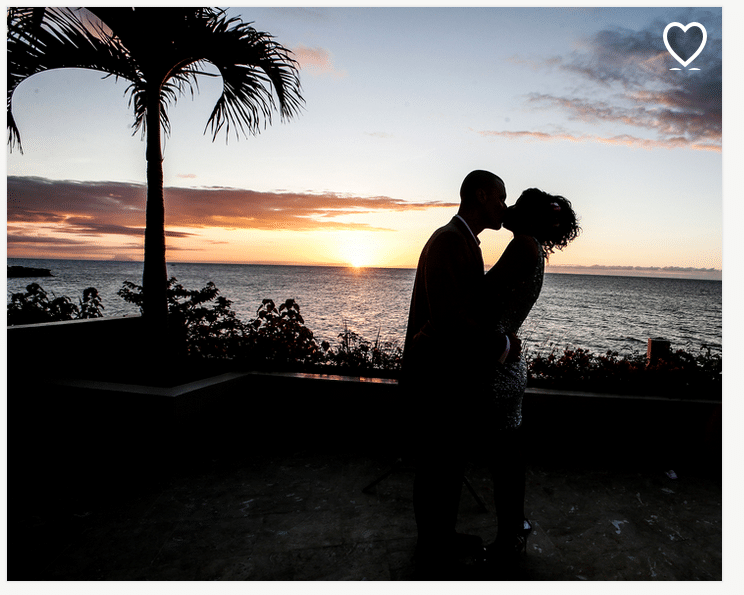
x: 81, y: 431
x: 60, y: 348
x: 238, y: 411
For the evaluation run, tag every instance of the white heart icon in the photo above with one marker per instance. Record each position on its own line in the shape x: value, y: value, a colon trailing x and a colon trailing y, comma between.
x: 684, y: 29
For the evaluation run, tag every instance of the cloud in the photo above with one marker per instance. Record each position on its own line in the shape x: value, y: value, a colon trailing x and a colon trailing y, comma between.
x: 317, y: 61
x: 622, y: 139
x: 99, y: 208
x: 625, y: 84
x: 668, y: 114
x: 21, y: 238
x: 41, y: 244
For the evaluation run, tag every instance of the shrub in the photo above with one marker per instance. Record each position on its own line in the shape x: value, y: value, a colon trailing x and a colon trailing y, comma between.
x: 356, y: 353
x: 35, y: 306
x: 276, y: 339
x: 206, y: 331
x: 279, y: 338
x: 679, y: 374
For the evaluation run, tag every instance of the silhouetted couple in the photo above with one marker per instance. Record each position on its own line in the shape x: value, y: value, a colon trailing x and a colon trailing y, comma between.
x: 463, y: 369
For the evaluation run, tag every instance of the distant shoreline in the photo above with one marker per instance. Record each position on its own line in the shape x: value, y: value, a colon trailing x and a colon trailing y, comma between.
x: 600, y: 270
x: 18, y: 272
x: 651, y: 272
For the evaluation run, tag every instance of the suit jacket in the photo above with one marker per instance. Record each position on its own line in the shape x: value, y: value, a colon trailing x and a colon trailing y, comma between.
x: 445, y: 338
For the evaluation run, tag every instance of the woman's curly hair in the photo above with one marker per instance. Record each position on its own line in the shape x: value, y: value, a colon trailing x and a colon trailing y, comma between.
x: 549, y: 218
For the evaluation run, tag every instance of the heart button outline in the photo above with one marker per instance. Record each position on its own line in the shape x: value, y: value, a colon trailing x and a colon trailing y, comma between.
x: 684, y: 30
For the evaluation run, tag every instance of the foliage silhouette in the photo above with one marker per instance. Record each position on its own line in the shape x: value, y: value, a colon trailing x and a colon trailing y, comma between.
x: 35, y: 306
x: 278, y: 339
x: 680, y: 373
x: 207, y: 332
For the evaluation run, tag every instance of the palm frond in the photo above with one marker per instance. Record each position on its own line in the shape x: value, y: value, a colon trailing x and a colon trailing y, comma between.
x: 163, y: 49
x: 60, y: 38
x: 258, y: 74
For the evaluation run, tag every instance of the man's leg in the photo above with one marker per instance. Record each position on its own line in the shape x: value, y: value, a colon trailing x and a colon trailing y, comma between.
x: 440, y: 468
x: 436, y: 497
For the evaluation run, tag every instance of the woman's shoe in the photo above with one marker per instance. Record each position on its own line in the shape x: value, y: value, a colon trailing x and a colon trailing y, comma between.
x: 502, y: 558
x: 506, y: 548
x: 511, y: 547
x: 524, y: 533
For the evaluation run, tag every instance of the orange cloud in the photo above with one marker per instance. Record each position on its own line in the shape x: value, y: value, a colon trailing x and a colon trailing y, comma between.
x: 317, y: 61
x: 115, y: 208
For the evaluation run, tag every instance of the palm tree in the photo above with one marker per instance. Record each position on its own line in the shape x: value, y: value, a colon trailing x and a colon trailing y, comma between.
x: 161, y: 52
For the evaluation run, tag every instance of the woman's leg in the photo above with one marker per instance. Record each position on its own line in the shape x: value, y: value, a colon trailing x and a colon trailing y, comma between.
x: 508, y: 473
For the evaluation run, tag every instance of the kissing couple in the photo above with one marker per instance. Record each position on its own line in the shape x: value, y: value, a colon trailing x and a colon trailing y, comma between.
x: 463, y: 370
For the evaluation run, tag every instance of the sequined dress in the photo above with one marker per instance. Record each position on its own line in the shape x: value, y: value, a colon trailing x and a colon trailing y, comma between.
x: 509, y: 380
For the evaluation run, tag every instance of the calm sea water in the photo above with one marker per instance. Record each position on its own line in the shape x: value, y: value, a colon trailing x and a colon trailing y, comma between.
x: 595, y: 312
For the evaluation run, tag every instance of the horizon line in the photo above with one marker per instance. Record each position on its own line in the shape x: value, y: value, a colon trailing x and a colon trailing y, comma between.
x: 595, y: 269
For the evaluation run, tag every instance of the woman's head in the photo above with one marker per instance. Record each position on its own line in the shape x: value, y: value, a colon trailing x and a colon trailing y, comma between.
x: 547, y: 217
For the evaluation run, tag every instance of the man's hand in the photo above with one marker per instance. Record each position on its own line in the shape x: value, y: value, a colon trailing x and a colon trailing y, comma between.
x: 515, y: 349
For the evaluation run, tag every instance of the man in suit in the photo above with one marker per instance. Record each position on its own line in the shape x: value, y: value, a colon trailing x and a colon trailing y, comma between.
x: 448, y: 349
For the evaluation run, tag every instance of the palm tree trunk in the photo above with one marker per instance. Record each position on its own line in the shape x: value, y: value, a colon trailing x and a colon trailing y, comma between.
x: 155, y: 275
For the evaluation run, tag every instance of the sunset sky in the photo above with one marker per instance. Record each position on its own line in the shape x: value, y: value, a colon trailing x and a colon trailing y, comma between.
x: 400, y: 105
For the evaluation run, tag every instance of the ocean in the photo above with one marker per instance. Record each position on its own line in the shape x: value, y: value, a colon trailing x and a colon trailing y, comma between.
x: 594, y: 312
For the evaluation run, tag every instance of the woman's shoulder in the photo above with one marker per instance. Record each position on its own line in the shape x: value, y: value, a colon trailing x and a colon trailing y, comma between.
x: 526, y: 243
x: 521, y: 255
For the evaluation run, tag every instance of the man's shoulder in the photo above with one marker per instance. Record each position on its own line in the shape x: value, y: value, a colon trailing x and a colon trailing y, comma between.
x: 450, y: 243
x: 449, y: 231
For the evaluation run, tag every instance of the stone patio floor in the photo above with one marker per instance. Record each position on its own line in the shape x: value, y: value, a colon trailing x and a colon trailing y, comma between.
x: 302, y: 516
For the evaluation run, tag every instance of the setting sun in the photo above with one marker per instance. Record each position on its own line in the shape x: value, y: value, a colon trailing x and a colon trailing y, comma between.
x: 358, y: 250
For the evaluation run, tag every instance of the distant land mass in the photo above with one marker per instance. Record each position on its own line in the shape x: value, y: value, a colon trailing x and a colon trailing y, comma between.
x: 21, y: 271
x: 633, y: 271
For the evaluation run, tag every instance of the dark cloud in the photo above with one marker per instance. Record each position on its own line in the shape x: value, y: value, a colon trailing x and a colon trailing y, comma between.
x: 97, y: 208
x: 21, y: 244
x: 624, y: 78
x: 21, y: 238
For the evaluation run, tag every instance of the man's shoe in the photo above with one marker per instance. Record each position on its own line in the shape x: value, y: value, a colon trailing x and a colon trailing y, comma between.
x: 452, y: 571
x: 457, y: 560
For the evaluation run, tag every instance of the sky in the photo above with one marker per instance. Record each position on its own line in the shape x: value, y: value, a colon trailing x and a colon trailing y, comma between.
x: 400, y: 104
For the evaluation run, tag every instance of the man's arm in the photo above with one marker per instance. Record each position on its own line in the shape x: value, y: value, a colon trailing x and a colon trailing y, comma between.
x: 457, y: 314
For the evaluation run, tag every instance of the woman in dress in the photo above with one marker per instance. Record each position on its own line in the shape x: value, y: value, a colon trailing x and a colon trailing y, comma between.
x: 540, y: 223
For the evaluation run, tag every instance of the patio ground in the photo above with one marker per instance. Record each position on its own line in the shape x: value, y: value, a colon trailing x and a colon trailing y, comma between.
x: 301, y: 515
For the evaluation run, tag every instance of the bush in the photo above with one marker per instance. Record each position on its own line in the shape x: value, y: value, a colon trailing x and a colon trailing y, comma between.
x: 678, y: 374
x: 280, y: 339
x: 35, y: 306
x: 206, y: 331
x: 357, y: 354
x: 276, y: 339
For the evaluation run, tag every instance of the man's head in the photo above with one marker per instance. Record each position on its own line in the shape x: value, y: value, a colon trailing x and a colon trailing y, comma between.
x: 483, y: 200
